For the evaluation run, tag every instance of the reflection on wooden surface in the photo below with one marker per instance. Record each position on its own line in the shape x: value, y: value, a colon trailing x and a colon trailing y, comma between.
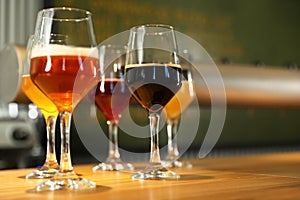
x: 270, y: 176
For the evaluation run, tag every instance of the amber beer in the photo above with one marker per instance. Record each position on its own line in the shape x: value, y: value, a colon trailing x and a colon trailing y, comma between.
x: 38, y: 98
x: 180, y: 101
x: 56, y: 75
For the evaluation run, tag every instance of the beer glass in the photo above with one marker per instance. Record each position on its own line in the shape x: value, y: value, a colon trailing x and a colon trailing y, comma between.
x: 175, y: 107
x: 112, y: 96
x: 153, y: 75
x: 65, y: 72
x: 49, y: 111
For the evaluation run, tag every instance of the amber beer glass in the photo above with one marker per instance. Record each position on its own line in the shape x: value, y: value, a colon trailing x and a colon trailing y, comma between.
x: 182, y: 99
x: 65, y: 72
x: 49, y: 111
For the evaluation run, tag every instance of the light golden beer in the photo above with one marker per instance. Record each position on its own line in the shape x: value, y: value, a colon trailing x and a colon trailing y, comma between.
x: 38, y: 98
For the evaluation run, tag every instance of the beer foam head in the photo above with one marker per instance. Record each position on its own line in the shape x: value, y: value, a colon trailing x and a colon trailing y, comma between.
x: 55, y: 50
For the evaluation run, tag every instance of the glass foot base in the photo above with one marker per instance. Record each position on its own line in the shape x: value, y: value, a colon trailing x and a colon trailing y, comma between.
x: 40, y: 174
x: 113, y: 165
x: 67, y: 183
x: 66, y: 180
x: 155, y: 172
x: 48, y: 170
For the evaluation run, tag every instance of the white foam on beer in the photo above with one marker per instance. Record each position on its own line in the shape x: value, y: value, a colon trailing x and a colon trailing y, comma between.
x: 55, y: 50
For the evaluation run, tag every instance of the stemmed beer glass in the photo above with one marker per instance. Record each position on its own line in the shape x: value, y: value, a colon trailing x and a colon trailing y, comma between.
x: 112, y: 96
x: 49, y: 111
x: 182, y: 99
x: 153, y: 75
x: 65, y: 72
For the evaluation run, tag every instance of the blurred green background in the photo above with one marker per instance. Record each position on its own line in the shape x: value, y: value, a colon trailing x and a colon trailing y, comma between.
x: 243, y: 31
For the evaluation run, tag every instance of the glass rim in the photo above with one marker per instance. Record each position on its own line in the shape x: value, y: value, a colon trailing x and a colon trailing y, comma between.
x: 86, y: 14
x: 168, y: 28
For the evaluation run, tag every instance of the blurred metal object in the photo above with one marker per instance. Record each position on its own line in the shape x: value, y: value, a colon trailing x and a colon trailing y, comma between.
x: 11, y: 58
x: 17, y: 139
x: 19, y: 136
x: 11, y: 64
x: 17, y: 126
x: 250, y: 86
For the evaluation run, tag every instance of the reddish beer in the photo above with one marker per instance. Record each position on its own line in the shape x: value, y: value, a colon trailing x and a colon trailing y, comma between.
x: 112, y: 97
x: 65, y: 79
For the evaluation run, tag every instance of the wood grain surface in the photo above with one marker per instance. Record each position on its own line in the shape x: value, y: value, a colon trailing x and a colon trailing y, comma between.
x: 269, y: 176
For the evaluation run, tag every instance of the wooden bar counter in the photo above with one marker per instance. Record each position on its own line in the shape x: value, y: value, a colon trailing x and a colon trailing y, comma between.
x: 267, y: 176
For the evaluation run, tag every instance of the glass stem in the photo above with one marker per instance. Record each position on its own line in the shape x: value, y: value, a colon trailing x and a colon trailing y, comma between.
x: 51, y: 154
x: 65, y: 157
x: 172, y: 140
x: 113, y: 151
x: 154, y: 125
